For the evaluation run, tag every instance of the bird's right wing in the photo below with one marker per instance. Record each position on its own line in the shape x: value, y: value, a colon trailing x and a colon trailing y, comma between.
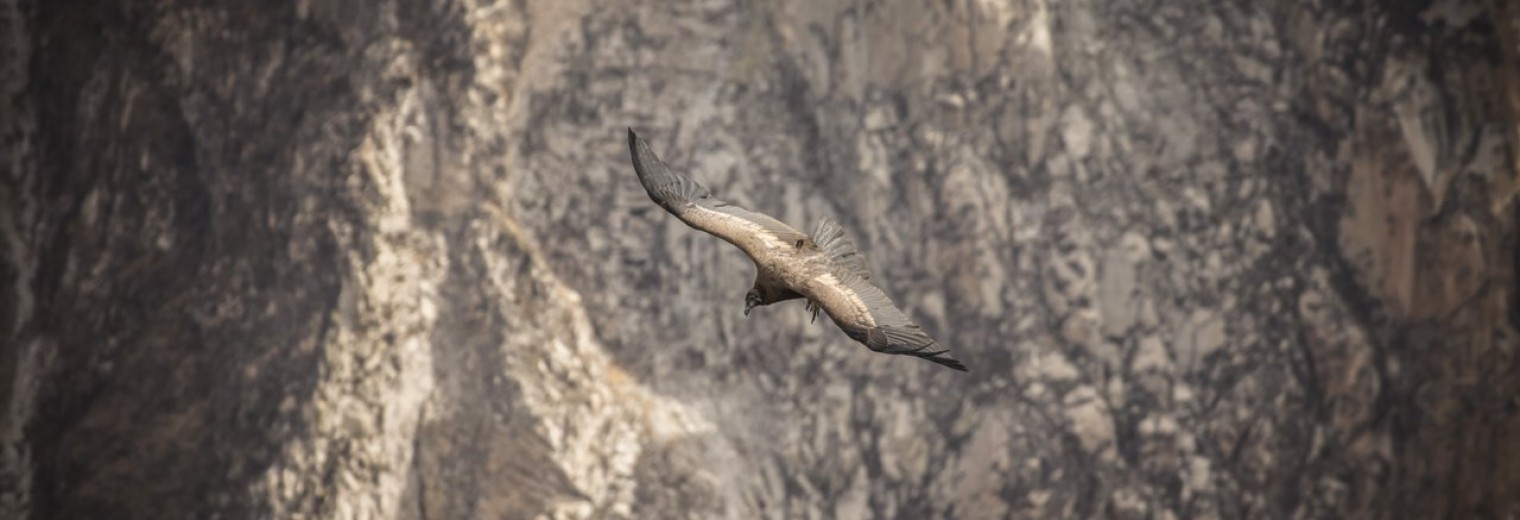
x: 751, y: 231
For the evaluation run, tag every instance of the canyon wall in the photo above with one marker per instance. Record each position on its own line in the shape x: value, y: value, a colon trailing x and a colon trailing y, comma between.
x: 343, y: 259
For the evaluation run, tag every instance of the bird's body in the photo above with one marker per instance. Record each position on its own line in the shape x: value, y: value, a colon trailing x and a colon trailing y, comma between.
x: 824, y: 268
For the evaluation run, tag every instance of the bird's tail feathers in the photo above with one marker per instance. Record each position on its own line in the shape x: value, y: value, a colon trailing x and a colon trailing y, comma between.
x: 841, y: 250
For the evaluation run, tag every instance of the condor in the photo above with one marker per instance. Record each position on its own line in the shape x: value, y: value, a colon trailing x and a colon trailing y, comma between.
x: 824, y: 268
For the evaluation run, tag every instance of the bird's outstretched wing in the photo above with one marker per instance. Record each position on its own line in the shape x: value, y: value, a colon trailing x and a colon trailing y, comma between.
x: 868, y: 316
x: 751, y: 231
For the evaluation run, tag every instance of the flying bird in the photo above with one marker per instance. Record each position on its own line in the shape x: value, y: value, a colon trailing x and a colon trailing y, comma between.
x: 824, y: 268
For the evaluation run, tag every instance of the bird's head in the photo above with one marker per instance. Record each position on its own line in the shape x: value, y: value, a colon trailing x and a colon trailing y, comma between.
x: 751, y: 299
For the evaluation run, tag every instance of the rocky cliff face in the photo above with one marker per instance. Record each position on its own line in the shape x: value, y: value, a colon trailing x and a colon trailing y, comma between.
x: 388, y: 260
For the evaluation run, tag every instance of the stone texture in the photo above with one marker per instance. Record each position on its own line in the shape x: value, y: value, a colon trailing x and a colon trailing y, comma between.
x: 1205, y: 259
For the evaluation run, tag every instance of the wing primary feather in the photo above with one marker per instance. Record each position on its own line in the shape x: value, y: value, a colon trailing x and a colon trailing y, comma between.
x: 910, y: 341
x: 951, y: 363
x: 668, y: 188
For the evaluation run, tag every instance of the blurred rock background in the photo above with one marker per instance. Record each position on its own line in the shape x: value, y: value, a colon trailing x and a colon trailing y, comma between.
x: 344, y: 259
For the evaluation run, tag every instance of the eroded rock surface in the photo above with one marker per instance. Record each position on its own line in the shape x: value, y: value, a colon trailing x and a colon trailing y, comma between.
x: 387, y: 259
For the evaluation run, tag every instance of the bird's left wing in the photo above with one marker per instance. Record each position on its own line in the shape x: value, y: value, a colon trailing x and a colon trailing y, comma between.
x: 869, y: 316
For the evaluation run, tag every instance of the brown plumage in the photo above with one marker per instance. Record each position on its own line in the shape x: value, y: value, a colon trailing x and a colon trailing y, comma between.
x: 824, y: 268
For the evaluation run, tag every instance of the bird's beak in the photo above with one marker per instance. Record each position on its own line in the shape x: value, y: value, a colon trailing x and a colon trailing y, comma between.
x: 747, y: 308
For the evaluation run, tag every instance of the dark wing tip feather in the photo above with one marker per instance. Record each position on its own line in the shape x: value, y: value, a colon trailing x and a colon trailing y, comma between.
x: 951, y: 363
x: 910, y: 341
x: 938, y: 356
x: 664, y: 185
